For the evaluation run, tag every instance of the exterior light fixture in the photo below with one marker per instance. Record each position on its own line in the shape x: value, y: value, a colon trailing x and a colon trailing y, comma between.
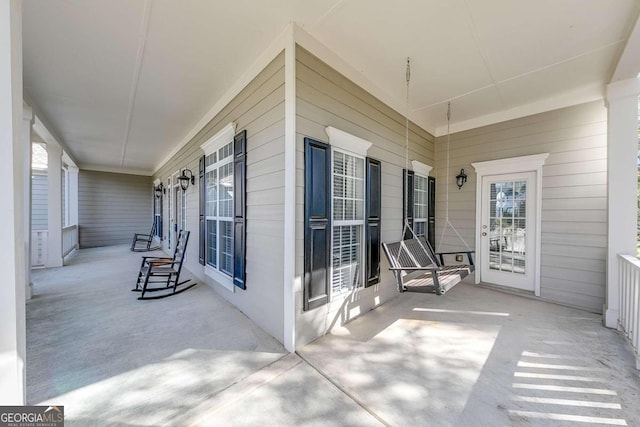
x: 185, y: 178
x: 461, y: 178
x: 159, y: 190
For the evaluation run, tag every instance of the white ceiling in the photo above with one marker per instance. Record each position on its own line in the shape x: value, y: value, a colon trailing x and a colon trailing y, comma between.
x: 123, y: 82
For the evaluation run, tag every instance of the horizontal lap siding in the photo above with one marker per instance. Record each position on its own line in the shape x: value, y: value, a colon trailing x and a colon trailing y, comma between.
x: 39, y: 200
x: 326, y: 98
x: 112, y: 207
x: 574, y: 194
x: 258, y: 108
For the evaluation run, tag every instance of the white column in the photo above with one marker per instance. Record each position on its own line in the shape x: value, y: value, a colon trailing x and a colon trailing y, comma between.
x: 622, y: 152
x: 72, y: 176
x: 290, y: 191
x: 12, y: 286
x: 27, y: 123
x: 54, y: 204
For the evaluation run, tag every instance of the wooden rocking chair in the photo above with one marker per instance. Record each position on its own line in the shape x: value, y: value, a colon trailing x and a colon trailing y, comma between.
x: 164, y: 271
x: 414, y: 255
x: 142, y: 242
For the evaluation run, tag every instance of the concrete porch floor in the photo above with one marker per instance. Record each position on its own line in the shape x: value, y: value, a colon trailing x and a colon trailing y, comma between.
x: 474, y: 357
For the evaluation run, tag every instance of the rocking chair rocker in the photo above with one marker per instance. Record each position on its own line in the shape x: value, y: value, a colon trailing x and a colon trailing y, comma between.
x: 142, y: 242
x: 165, y: 271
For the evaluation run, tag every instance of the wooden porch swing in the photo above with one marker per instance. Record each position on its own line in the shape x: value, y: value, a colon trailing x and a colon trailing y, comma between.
x: 413, y: 254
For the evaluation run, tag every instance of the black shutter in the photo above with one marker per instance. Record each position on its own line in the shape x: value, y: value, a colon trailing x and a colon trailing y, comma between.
x: 374, y: 207
x: 203, y: 199
x: 431, y: 212
x: 239, y: 209
x: 407, y: 201
x: 317, y: 223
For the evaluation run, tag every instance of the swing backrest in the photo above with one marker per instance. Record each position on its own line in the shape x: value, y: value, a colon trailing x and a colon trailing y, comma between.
x: 410, y: 254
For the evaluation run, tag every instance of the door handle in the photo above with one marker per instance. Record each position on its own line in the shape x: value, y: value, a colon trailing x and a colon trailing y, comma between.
x: 484, y: 233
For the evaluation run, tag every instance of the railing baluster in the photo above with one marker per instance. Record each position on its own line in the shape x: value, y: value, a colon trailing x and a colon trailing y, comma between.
x: 629, y: 298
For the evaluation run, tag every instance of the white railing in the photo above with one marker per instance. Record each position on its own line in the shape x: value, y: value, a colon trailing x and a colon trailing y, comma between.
x: 69, y: 239
x: 629, y: 319
x: 39, y: 247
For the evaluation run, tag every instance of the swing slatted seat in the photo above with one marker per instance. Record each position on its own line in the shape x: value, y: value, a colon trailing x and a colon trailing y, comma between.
x: 142, y: 242
x: 416, y: 255
x: 161, y: 275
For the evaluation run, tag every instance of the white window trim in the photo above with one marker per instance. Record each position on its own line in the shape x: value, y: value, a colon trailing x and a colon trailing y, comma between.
x: 531, y: 163
x: 350, y: 144
x: 223, y: 137
x: 212, y: 145
x: 420, y: 168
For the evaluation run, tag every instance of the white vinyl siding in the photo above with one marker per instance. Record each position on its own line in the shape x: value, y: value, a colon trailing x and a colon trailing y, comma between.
x: 258, y: 109
x: 324, y: 97
x: 420, y: 201
x: 574, y: 194
x: 112, y: 207
x: 348, y: 221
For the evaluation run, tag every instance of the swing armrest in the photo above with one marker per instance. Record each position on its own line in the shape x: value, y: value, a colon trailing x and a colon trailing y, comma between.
x: 468, y: 253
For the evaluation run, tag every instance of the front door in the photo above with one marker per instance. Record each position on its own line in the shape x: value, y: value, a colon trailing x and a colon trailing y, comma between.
x: 508, y: 230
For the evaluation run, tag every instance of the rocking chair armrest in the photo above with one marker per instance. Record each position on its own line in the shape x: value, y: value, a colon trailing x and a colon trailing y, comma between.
x: 159, y: 263
x: 157, y: 258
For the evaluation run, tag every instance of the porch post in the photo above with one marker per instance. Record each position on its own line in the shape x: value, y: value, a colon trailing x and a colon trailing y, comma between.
x: 12, y: 287
x: 622, y: 153
x: 27, y: 123
x: 73, y: 194
x: 54, y: 205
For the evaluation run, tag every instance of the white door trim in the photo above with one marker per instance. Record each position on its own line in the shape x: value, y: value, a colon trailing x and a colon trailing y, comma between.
x: 531, y: 163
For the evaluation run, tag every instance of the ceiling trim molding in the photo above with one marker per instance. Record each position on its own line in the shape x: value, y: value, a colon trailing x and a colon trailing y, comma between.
x: 568, y: 99
x: 252, y: 72
x: 109, y: 169
x: 628, y: 65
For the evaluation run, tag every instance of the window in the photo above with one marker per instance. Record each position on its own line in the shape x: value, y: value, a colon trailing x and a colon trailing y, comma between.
x: 348, y: 221
x: 219, y: 209
x: 342, y: 210
x: 420, y: 203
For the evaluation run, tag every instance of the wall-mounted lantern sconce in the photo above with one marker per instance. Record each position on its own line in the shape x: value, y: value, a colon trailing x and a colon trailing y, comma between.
x: 159, y: 190
x: 461, y: 178
x: 185, y: 178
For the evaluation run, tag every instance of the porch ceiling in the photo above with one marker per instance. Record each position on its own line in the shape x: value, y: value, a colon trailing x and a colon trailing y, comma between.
x: 122, y: 82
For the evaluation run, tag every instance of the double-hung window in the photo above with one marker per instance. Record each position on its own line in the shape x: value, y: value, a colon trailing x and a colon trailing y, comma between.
x: 348, y: 172
x: 222, y: 227
x: 420, y: 203
x: 219, y: 208
x: 341, y: 217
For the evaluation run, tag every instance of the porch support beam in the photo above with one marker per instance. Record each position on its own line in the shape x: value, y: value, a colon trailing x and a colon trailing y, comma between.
x: 73, y: 194
x: 54, y: 204
x: 27, y: 123
x: 622, y: 153
x: 290, y: 189
x: 12, y: 215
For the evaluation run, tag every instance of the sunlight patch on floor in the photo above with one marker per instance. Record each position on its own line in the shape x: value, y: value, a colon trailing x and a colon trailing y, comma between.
x: 440, y: 310
x: 541, y: 393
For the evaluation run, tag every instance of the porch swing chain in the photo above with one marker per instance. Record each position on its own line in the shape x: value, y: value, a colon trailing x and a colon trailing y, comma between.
x: 446, y: 216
